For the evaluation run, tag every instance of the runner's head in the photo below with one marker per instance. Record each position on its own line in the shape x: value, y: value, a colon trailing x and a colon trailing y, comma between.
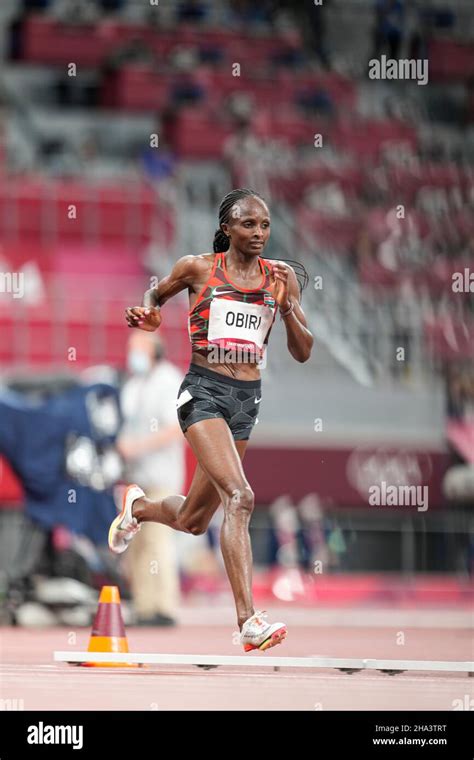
x: 244, y: 221
x: 244, y: 217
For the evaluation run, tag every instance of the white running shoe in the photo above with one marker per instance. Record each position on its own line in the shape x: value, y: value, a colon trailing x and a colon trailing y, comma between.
x: 258, y: 634
x: 125, y: 526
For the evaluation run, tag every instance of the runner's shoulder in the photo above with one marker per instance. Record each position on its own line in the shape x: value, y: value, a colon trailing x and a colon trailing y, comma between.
x: 195, y: 265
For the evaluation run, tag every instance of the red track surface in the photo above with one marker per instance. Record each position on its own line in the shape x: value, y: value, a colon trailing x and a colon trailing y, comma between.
x: 28, y: 672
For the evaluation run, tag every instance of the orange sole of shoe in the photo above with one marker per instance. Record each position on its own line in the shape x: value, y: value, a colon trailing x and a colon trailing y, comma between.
x: 276, y: 638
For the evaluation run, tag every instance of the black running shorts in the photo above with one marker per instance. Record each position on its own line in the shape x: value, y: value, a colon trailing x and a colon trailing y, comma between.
x: 205, y: 395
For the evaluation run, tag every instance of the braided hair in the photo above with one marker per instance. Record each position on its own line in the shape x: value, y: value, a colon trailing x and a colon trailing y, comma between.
x: 222, y: 243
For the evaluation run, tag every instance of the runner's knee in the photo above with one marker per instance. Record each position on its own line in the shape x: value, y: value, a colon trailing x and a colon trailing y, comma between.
x: 192, y: 525
x: 196, y: 528
x: 239, y: 498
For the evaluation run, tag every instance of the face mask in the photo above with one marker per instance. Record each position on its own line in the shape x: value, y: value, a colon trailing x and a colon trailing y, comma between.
x: 138, y: 362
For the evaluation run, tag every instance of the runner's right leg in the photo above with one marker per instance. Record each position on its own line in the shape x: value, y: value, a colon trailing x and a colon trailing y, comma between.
x: 190, y: 514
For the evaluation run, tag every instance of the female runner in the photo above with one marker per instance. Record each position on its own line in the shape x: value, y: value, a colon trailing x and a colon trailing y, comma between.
x: 234, y: 294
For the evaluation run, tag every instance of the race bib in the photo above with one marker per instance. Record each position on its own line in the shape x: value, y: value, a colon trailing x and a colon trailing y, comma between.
x: 234, y: 323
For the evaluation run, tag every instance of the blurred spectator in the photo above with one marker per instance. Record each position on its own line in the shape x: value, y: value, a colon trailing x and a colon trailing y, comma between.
x: 36, y: 5
x: 159, y: 164
x: 134, y: 51
x: 405, y: 313
x: 2, y: 137
x: 469, y: 103
x: 186, y: 84
x: 327, y: 198
x: 460, y: 390
x: 389, y: 27
x: 285, y: 527
x: 251, y: 13
x: 192, y: 12
x: 75, y: 11
x: 152, y: 446
x: 244, y: 154
x: 315, y: 27
x: 418, y: 25
x: 112, y: 6
x: 313, y: 538
x: 316, y: 100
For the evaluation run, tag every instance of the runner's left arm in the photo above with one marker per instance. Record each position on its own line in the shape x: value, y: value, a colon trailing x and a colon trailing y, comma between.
x: 299, y: 338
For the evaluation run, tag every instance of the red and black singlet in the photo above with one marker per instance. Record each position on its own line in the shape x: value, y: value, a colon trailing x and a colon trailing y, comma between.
x: 230, y: 317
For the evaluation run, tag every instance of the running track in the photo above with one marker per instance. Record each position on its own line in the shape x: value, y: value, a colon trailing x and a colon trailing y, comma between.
x: 27, y: 671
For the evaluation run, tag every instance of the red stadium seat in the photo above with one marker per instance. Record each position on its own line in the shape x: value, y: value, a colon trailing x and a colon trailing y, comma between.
x: 461, y: 435
x: 135, y: 88
x: 8, y: 335
x: 73, y: 215
x: 450, y: 339
x: 115, y: 349
x: 195, y: 136
x: 47, y: 41
x: 338, y: 232
x: 373, y: 274
x: 451, y: 60
x: 38, y: 335
x: 366, y: 139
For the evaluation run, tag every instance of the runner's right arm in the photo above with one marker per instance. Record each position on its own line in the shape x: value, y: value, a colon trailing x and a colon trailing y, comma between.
x: 148, y: 316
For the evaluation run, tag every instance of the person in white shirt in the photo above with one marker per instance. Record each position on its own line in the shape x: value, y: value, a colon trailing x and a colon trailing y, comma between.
x: 152, y: 446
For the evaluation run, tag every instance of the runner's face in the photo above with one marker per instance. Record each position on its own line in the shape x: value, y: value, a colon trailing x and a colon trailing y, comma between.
x: 249, y: 228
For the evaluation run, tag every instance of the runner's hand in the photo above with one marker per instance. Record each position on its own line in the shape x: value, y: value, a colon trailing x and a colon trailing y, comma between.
x: 145, y: 318
x: 279, y: 279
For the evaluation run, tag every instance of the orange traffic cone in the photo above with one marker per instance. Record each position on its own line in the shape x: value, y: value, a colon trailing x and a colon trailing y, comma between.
x: 108, y: 631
